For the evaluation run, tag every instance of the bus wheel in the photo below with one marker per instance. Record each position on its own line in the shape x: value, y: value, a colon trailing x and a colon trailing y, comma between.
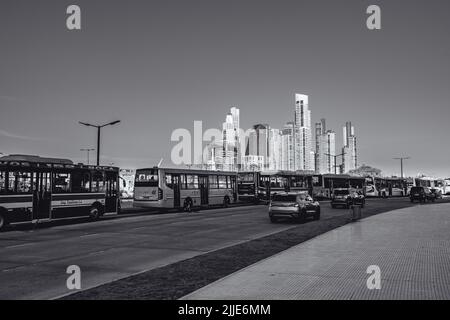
x: 94, y: 212
x: 226, y: 202
x: 3, y: 222
x: 187, y: 207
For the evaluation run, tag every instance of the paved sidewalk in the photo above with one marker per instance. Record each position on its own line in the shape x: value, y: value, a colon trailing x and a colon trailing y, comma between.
x: 411, y: 246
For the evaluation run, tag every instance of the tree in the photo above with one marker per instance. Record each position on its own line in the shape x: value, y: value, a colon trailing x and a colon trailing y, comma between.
x: 366, y: 170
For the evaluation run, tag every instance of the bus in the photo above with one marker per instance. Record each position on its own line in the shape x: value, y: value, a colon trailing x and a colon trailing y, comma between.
x: 167, y: 188
x: 433, y: 183
x: 36, y: 189
x: 270, y: 182
x: 386, y: 187
x: 247, y: 186
x: 324, y: 184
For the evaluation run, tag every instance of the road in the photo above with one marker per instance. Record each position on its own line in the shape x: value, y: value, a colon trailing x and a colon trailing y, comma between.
x: 33, y: 262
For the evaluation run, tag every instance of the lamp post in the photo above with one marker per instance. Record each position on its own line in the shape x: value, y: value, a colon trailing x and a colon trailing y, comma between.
x: 335, y: 159
x: 87, y: 152
x: 99, y: 127
x: 401, y: 163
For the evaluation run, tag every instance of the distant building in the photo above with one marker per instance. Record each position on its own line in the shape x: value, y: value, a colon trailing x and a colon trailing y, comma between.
x: 253, y: 163
x: 327, y: 152
x: 320, y: 129
x: 302, y: 134
x: 274, y: 152
x: 287, y: 147
x: 350, y: 158
x: 231, y: 141
x: 258, y: 144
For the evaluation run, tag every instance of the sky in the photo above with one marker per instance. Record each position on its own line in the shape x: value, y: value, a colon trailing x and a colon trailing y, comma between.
x: 161, y: 65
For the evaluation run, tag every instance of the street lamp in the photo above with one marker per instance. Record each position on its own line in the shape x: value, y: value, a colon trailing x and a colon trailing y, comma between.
x: 335, y: 159
x: 98, y: 134
x: 87, y: 152
x: 401, y: 163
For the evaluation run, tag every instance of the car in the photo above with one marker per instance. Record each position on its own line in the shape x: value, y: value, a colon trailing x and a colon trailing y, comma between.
x: 293, y: 205
x: 347, y: 197
x: 437, y: 193
x: 421, y: 194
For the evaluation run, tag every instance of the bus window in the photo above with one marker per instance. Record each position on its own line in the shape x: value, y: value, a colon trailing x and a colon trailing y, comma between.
x: 317, y: 181
x: 222, y: 182
x: 61, y: 183
x: 81, y: 182
x: 146, y: 178
x: 213, y: 182
x: 2, y: 182
x: 98, y: 182
x: 19, y: 182
x: 183, y: 181
x: 192, y: 182
x: 169, y: 182
x: 298, y: 182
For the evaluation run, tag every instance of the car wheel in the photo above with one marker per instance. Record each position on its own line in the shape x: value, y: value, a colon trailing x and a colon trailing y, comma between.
x: 273, y: 219
x: 3, y: 222
x: 412, y: 200
x: 187, y: 207
x: 317, y: 215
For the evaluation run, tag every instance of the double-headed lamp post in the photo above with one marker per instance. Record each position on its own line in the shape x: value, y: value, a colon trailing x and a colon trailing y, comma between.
x: 401, y: 164
x: 99, y: 127
x: 88, y: 150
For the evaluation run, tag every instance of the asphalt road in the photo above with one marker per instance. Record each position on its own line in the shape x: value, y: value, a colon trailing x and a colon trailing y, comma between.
x: 33, y: 262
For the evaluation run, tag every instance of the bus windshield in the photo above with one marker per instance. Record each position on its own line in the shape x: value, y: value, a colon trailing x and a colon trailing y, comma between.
x: 147, y: 178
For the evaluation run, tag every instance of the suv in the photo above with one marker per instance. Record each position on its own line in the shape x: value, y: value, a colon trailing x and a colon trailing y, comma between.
x: 347, y: 197
x: 293, y: 205
x: 421, y: 194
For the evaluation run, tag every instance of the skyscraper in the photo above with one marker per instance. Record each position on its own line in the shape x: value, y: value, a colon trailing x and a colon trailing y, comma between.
x: 287, y: 147
x: 258, y: 144
x: 319, y: 130
x: 349, y: 150
x: 302, y: 134
x: 231, y: 140
x: 274, y: 153
x: 327, y: 152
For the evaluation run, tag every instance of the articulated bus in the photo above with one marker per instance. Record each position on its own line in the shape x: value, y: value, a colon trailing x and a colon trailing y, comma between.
x: 324, y: 184
x: 386, y: 187
x: 34, y: 189
x: 166, y: 188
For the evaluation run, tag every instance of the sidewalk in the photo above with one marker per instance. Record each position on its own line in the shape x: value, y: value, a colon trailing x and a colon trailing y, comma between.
x: 411, y: 246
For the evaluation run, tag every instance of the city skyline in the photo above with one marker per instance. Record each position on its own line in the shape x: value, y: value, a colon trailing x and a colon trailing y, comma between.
x: 190, y: 63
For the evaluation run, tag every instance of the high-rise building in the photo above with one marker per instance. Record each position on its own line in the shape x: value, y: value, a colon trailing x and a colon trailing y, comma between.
x: 258, y: 143
x: 274, y: 151
x: 320, y: 129
x: 302, y: 134
x: 350, y: 158
x: 287, y: 147
x: 231, y: 141
x: 327, y: 152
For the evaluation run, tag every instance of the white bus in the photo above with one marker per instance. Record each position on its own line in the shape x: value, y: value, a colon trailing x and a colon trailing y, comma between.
x: 183, y: 189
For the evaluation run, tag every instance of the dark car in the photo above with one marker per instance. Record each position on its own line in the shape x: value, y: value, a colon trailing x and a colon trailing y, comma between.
x: 347, y: 197
x: 293, y: 205
x: 422, y: 194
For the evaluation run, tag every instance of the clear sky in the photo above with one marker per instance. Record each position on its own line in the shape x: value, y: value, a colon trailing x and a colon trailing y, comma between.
x: 160, y: 65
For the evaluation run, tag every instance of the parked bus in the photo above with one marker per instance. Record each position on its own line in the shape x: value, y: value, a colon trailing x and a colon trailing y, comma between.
x: 247, y: 187
x: 34, y: 189
x: 271, y: 182
x: 433, y: 183
x: 324, y: 184
x: 386, y: 187
x: 183, y: 189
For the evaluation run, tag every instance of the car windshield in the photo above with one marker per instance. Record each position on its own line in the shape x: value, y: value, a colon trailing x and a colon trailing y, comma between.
x: 284, y: 197
x: 416, y: 189
x: 341, y: 192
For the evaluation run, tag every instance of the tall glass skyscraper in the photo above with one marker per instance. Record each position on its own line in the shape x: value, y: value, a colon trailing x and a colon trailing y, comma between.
x: 302, y: 134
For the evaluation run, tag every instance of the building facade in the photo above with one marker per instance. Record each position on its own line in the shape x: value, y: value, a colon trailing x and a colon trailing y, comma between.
x: 302, y: 134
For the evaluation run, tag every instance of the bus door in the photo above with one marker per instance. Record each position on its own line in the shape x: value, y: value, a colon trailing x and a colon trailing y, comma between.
x: 112, y: 193
x: 203, y: 184
x: 233, y: 181
x: 176, y: 191
x: 42, y: 196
